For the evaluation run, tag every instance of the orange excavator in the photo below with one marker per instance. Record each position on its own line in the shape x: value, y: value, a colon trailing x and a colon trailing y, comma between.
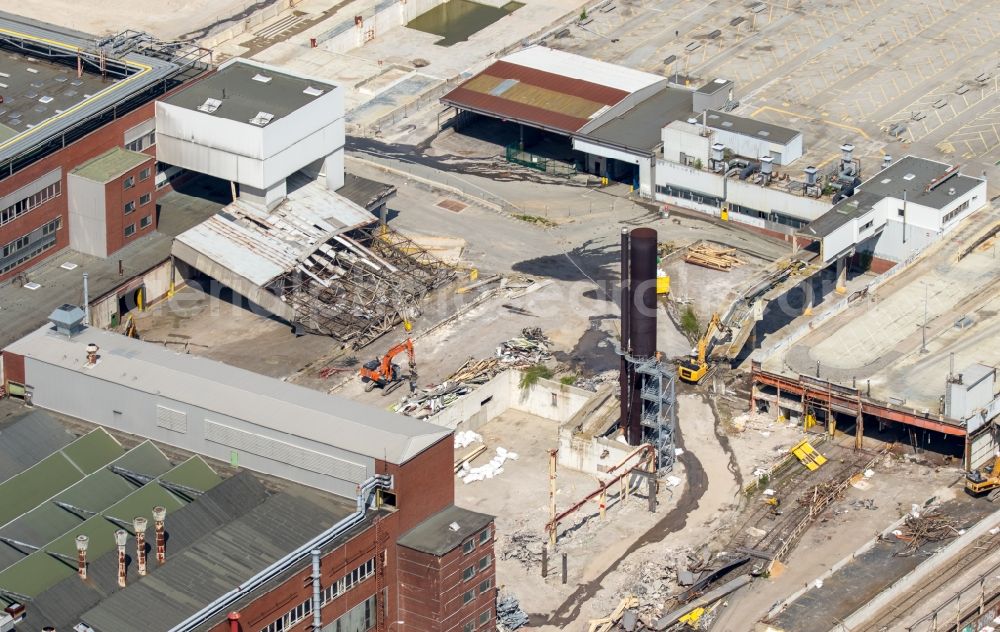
x: 386, y: 375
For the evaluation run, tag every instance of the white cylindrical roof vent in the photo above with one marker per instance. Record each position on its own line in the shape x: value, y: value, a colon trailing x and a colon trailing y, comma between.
x: 718, y: 150
x: 766, y: 165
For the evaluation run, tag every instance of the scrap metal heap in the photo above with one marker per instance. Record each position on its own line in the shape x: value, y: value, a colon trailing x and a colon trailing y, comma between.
x: 364, y: 288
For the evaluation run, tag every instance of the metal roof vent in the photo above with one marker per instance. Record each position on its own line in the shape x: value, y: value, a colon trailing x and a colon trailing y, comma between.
x: 68, y: 319
x: 262, y: 119
x: 727, y: 123
x: 951, y: 190
x: 210, y: 105
x: 764, y: 133
x: 909, y: 176
x: 262, y: 78
x: 313, y: 92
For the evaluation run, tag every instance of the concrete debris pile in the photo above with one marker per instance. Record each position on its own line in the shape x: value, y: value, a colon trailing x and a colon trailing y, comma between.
x: 523, y: 545
x: 470, y: 474
x: 752, y: 421
x: 593, y: 383
x: 517, y: 353
x: 923, y: 525
x: 509, y: 613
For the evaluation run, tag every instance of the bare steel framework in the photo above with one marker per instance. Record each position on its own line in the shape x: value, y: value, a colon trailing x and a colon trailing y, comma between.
x: 360, y: 285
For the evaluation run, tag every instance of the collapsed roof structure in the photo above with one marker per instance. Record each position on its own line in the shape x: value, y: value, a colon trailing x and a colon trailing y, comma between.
x: 317, y: 260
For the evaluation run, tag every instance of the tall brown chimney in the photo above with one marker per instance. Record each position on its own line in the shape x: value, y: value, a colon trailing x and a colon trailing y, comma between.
x: 81, y: 555
x: 159, y: 513
x: 121, y: 537
x: 139, y: 524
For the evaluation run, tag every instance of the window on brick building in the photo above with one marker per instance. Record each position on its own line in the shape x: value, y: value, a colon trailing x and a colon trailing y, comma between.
x: 485, y: 562
x: 469, y: 627
x: 130, y: 230
x: 145, y: 221
x: 129, y: 206
x: 484, y: 618
x: 485, y: 585
x: 128, y: 182
x: 144, y: 174
x: 145, y: 198
x: 469, y: 573
x: 468, y: 596
x: 469, y: 546
x: 484, y: 537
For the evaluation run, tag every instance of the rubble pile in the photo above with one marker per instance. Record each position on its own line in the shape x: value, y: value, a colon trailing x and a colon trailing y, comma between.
x: 509, y: 613
x: 922, y: 526
x: 523, y: 545
x: 531, y: 348
x: 593, y: 383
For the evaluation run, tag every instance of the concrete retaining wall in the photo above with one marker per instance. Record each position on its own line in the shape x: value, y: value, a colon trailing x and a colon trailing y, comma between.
x: 546, y: 399
x: 592, y: 455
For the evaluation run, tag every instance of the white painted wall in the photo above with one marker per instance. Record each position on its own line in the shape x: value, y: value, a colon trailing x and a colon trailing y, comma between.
x: 754, y: 147
x: 245, y: 153
x: 679, y: 175
x: 644, y: 162
x: 769, y: 199
x: 681, y: 137
x: 88, y: 230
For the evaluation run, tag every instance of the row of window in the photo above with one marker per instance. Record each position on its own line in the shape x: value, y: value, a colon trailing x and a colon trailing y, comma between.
x: 471, y: 571
x: 143, y: 223
x: 290, y: 618
x: 28, y: 203
x: 337, y: 588
x: 470, y: 545
x: 144, y: 199
x: 958, y: 210
x: 472, y: 593
x: 129, y: 182
x: 29, y: 250
x: 144, y: 141
x: 484, y: 620
x: 348, y: 581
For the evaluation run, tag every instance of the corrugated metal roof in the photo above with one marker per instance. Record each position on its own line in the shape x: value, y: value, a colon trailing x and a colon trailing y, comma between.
x: 261, y: 245
x: 27, y: 440
x: 263, y: 401
x: 61, y: 605
x: 548, y: 88
x: 216, y: 563
x: 574, y: 66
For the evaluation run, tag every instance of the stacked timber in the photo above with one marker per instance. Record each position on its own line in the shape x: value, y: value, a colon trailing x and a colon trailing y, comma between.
x: 722, y: 259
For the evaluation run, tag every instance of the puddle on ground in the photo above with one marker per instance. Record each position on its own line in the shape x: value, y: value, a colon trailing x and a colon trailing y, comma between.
x: 456, y: 20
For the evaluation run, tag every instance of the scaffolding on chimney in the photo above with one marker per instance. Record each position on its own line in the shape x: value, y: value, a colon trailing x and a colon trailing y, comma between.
x: 362, y: 286
x: 659, y: 408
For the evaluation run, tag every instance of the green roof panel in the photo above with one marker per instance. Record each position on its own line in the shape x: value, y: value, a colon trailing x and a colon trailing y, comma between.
x: 146, y: 459
x: 35, y: 485
x: 193, y: 473
x: 94, y: 450
x: 32, y: 575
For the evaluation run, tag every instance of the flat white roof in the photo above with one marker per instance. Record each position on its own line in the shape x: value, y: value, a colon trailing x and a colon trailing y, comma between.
x: 578, y: 67
x: 227, y: 390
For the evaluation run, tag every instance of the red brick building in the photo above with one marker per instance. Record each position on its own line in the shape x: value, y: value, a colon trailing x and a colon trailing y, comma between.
x: 65, y: 104
x: 363, y: 529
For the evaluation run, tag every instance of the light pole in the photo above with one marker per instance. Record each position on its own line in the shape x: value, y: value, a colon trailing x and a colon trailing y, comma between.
x: 923, y: 330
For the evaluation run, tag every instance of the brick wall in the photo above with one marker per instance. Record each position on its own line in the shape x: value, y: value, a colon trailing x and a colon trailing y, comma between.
x: 13, y: 368
x: 91, y: 145
x: 116, y: 196
x: 424, y: 484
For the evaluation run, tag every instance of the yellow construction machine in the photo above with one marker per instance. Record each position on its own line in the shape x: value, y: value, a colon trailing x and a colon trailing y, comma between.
x: 694, y: 368
x: 986, y: 480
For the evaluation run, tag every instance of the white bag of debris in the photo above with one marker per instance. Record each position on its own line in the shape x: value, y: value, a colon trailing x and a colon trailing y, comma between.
x: 465, y: 438
x: 489, y: 470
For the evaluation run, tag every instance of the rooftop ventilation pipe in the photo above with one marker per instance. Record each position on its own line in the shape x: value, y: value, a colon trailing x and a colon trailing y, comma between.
x: 317, y: 603
x: 159, y: 514
x: 365, y: 493
x: 139, y: 524
x: 92, y: 350
x: 886, y: 161
x: 81, y: 555
x: 121, y: 537
x: 234, y: 622
x: 810, y: 175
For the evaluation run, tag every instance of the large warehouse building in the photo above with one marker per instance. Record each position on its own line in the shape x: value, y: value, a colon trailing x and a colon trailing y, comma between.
x: 77, y: 153
x: 362, y: 532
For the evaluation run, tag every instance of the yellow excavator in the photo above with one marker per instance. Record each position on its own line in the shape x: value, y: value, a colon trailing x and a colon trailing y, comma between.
x: 978, y: 482
x: 694, y: 368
